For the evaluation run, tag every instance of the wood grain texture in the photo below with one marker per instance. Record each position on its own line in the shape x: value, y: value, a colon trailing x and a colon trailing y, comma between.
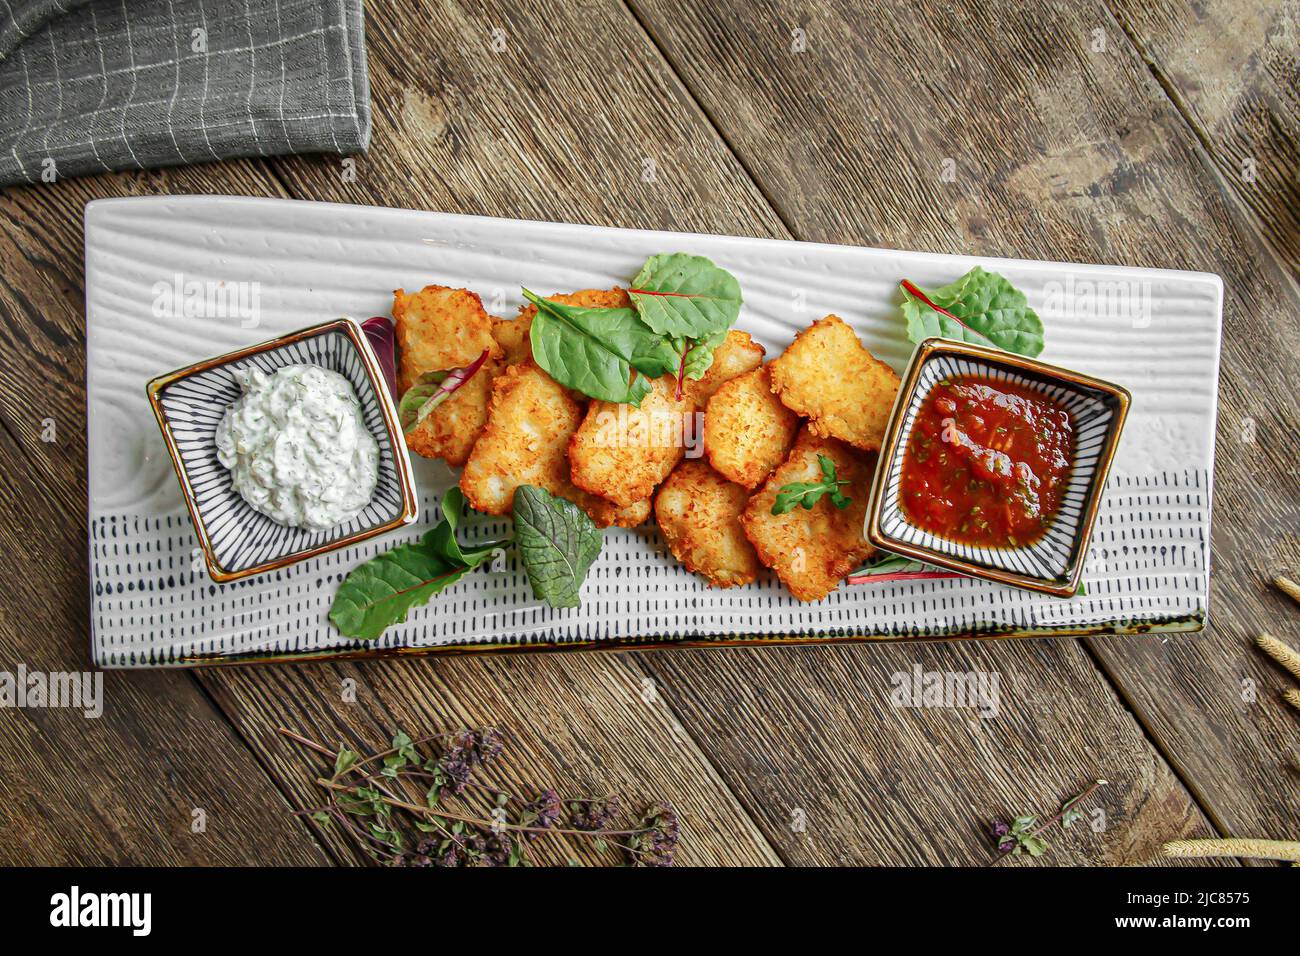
x: 463, y: 127
x: 536, y: 127
x: 1232, y: 70
x: 1060, y: 151
x: 120, y: 789
x: 533, y: 110
x: 430, y: 135
x: 583, y: 724
x: 837, y: 772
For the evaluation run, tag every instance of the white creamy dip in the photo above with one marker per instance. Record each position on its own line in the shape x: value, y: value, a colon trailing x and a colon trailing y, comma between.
x: 298, y: 448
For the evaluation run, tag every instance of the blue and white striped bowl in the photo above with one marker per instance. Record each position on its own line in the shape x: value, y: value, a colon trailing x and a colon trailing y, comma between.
x: 1054, y: 562
x: 238, y: 541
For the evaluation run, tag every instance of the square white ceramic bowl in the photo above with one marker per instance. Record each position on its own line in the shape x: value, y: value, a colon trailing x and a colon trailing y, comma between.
x: 1052, y: 564
x: 238, y: 541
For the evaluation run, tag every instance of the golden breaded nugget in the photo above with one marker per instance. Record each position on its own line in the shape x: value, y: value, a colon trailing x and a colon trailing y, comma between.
x: 747, y: 431
x: 622, y: 452
x: 512, y: 336
x: 606, y: 513
x: 525, y: 442
x: 737, y: 355
x: 440, y: 328
x: 699, y: 514
x: 828, y: 376
x: 811, y: 550
x: 450, y: 430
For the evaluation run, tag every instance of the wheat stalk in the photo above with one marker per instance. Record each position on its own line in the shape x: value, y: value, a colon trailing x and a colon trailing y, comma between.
x: 1280, y: 652
x: 1239, y: 847
x: 1288, y: 587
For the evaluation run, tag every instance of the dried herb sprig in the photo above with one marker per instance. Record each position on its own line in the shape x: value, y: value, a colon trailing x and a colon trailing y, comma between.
x: 393, y: 804
x: 1023, y: 835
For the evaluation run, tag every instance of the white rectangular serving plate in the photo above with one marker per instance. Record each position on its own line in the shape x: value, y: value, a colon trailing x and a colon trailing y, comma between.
x: 172, y: 280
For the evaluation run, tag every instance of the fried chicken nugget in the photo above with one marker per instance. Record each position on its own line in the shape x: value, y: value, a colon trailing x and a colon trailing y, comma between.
x: 747, y: 431
x: 622, y: 452
x: 811, y: 550
x: 737, y: 355
x: 827, y: 375
x: 440, y: 328
x: 699, y: 514
x: 525, y: 442
x: 450, y: 430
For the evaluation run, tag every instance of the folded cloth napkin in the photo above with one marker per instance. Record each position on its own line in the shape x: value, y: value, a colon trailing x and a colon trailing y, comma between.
x: 87, y: 87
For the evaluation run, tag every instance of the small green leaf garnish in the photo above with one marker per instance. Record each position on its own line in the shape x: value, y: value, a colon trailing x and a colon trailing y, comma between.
x: 431, y: 390
x: 684, y: 295
x: 414, y: 399
x: 980, y: 307
x: 682, y: 306
x: 808, y: 493
x: 557, y: 543
x: 380, y: 592
x: 594, y: 351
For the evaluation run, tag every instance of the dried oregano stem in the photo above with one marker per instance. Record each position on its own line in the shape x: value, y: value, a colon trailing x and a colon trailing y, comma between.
x: 1245, y: 848
x: 1288, y: 587
x: 1280, y: 652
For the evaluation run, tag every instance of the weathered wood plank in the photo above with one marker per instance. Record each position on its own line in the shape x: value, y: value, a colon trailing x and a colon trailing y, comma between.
x: 1231, y: 69
x: 432, y: 148
x: 121, y: 789
x: 1062, y: 150
x: 461, y: 126
x: 502, y: 109
x: 838, y: 771
x: 583, y: 724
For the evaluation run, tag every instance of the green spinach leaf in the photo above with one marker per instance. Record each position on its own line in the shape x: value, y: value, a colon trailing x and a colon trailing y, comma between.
x: 684, y: 295
x: 980, y: 307
x: 557, y: 544
x: 594, y: 351
x: 380, y: 592
x: 432, y: 389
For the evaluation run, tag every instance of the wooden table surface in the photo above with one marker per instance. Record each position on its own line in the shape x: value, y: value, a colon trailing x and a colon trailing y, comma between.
x: 1139, y: 132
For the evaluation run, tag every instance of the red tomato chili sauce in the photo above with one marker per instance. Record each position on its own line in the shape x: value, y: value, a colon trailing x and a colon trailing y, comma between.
x: 987, y: 462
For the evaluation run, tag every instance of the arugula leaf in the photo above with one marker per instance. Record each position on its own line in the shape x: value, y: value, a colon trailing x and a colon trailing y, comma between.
x: 980, y: 307
x: 557, y: 544
x: 380, y: 592
x: 808, y: 493
x: 594, y: 351
x: 684, y: 295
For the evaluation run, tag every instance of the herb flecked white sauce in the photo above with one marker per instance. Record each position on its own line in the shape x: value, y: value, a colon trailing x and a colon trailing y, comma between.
x: 298, y: 448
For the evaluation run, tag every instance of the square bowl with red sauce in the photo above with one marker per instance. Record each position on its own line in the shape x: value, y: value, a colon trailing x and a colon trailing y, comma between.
x: 993, y: 465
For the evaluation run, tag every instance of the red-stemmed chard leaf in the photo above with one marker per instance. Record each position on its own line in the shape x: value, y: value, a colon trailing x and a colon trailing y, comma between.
x: 980, y: 307
x: 432, y: 390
